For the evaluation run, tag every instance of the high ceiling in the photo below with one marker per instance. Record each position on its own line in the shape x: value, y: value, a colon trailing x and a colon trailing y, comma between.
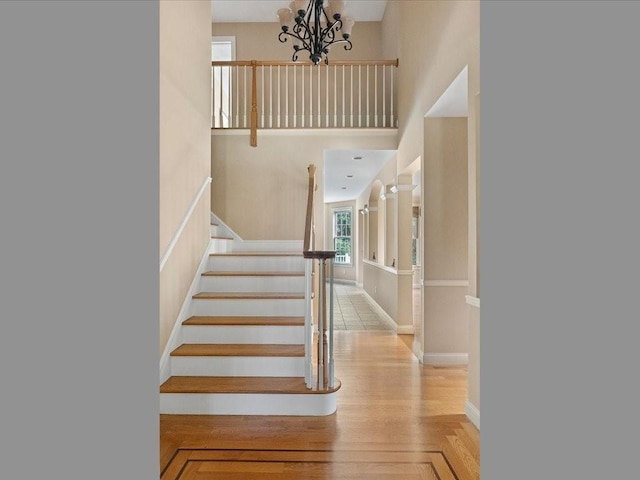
x: 226, y: 11
x: 338, y: 164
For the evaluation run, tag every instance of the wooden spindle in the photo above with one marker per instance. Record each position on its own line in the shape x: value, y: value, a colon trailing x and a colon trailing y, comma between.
x: 254, y: 106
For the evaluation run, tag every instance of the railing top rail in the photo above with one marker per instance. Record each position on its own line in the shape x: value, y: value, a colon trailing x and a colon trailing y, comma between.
x: 274, y: 63
x: 309, y: 218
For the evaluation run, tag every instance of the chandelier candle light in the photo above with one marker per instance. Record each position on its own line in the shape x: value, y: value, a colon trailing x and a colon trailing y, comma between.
x: 316, y: 24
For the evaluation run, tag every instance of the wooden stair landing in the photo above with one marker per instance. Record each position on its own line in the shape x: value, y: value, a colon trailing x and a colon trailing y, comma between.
x: 286, y: 385
x: 252, y: 274
x: 250, y: 295
x: 256, y: 254
x: 237, y: 350
x: 265, y: 321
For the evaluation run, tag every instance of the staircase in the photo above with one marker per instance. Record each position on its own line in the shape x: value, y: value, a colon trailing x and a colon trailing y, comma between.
x: 241, y: 349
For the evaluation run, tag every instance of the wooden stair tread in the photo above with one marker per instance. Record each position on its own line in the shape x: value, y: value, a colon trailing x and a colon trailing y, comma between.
x: 274, y: 385
x: 268, y: 321
x: 217, y: 237
x: 237, y: 350
x: 256, y: 254
x: 252, y: 274
x: 250, y: 295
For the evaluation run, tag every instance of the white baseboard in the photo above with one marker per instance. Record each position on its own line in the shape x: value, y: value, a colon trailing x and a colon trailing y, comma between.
x: 344, y: 282
x: 472, y: 413
x: 381, y: 311
x: 473, y: 301
x: 405, y: 330
x: 174, y: 338
x: 445, y: 358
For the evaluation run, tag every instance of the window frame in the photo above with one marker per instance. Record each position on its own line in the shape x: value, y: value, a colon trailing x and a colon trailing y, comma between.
x: 334, y: 212
x: 219, y: 76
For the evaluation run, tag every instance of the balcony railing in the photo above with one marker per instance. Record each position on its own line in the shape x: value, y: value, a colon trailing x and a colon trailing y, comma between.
x: 282, y: 95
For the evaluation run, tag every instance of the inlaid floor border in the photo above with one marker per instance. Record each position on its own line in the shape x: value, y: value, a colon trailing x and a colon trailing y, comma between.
x: 182, y: 457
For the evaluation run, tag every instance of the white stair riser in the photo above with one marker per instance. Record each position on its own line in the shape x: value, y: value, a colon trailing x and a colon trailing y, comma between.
x: 251, y: 284
x: 256, y: 263
x: 267, y: 246
x: 248, y: 404
x: 247, y: 307
x: 220, y: 245
x: 238, y: 366
x: 252, y: 334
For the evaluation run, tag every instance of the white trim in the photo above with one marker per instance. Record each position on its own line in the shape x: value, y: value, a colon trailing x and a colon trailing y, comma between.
x: 343, y: 281
x: 405, y: 330
x: 472, y: 412
x: 312, y: 132
x: 372, y: 209
x: 404, y: 272
x: 473, y: 301
x: 173, y: 341
x: 381, y: 267
x: 216, y: 219
x: 404, y: 188
x: 185, y: 220
x: 386, y: 317
x: 445, y: 358
x: 417, y: 352
x: 359, y: 284
x: 223, y: 39
x: 445, y: 283
x: 317, y: 404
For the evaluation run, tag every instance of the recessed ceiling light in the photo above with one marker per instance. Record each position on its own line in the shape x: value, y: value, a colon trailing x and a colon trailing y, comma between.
x: 344, y: 188
x: 357, y: 158
x: 348, y: 176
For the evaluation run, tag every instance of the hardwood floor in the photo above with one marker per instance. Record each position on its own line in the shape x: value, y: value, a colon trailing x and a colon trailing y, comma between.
x: 395, y: 419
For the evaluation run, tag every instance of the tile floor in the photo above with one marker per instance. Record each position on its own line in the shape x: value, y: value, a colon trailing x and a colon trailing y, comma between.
x: 353, y: 310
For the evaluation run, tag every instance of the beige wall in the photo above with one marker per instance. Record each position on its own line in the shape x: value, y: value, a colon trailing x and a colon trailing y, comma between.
x: 382, y: 286
x: 185, y: 92
x: 445, y: 199
x: 343, y: 272
x: 260, y: 192
x: 259, y: 41
x: 434, y: 41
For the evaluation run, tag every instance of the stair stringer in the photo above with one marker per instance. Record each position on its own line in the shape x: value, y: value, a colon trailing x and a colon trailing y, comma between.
x: 175, y: 337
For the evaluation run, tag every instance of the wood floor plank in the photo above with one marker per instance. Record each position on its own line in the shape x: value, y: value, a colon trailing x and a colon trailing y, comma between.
x: 242, y: 320
x: 237, y: 350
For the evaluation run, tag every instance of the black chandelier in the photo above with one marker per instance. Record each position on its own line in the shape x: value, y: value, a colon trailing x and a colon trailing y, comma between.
x: 315, y: 27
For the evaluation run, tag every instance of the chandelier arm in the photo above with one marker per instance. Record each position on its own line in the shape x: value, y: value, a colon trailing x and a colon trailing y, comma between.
x: 311, y: 36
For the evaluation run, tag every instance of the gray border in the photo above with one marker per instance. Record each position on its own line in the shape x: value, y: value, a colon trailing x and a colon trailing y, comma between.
x: 79, y: 258
x: 559, y: 239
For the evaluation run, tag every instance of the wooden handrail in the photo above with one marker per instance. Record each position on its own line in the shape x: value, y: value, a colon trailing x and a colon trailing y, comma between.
x: 307, y: 246
x: 275, y: 63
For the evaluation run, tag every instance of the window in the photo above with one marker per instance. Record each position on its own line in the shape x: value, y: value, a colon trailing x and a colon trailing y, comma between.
x: 415, y: 229
x: 222, y: 49
x: 342, y: 236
